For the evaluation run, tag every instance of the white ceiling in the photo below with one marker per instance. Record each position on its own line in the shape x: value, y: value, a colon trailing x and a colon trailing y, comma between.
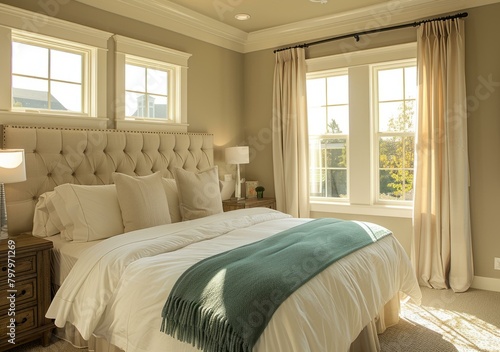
x: 270, y: 13
x: 276, y: 23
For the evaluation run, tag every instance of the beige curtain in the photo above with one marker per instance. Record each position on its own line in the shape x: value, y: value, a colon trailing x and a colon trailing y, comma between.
x: 442, y: 249
x: 290, y: 137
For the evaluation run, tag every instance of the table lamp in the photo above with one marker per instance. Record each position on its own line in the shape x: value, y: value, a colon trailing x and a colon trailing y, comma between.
x: 237, y: 156
x: 12, y: 169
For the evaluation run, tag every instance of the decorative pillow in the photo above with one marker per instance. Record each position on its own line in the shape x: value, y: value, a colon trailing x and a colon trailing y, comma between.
x: 172, y: 199
x: 88, y: 213
x: 142, y: 200
x: 46, y: 222
x: 199, y: 193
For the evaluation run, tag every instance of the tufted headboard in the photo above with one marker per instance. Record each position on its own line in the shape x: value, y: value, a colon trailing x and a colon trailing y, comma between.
x: 56, y: 156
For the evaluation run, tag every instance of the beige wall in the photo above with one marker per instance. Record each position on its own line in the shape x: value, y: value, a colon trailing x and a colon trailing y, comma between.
x: 482, y: 65
x: 230, y: 95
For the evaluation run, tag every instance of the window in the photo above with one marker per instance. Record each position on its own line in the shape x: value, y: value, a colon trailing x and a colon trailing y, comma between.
x: 52, y: 72
x: 151, y: 86
x: 361, y: 119
x: 395, y: 95
x: 48, y: 77
x: 146, y: 91
x: 328, y: 123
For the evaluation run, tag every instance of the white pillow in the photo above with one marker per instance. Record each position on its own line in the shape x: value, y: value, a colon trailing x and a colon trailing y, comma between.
x: 172, y: 199
x: 142, y: 200
x: 88, y: 213
x: 199, y: 193
x: 46, y: 222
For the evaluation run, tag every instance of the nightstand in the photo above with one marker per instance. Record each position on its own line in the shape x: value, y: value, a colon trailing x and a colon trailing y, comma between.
x: 233, y: 204
x: 26, y: 293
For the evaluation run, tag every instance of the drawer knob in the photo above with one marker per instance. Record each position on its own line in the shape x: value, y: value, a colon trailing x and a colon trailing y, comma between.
x: 23, y: 292
x: 22, y: 321
x: 4, y: 268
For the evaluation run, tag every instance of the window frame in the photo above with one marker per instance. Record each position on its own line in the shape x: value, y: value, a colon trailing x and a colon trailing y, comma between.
x: 88, y: 57
x: 18, y: 24
x: 377, y: 134
x: 153, y: 56
x: 361, y: 140
x: 324, y: 75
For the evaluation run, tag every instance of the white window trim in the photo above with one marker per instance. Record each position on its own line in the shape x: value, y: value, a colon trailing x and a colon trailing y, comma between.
x: 361, y: 198
x: 178, y: 60
x: 15, y: 20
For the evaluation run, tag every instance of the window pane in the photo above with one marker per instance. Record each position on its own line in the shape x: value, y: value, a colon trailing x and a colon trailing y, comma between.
x: 396, y: 184
x: 411, y: 87
x: 390, y: 84
x: 317, y: 183
x: 316, y: 119
x: 338, y: 90
x: 336, y: 183
x: 65, y: 66
x: 157, y: 81
x: 66, y: 96
x: 30, y: 93
x: 391, y: 152
x: 391, y: 117
x: 132, y: 103
x: 409, y: 153
x: 30, y: 60
x: 316, y: 92
x: 157, y: 106
x: 135, y: 78
x: 335, y: 152
x: 338, y: 119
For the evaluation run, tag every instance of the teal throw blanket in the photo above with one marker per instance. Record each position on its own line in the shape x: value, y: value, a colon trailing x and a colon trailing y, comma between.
x: 223, y: 303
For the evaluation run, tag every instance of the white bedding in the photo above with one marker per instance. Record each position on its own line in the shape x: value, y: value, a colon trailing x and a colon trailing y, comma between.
x: 64, y: 256
x: 117, y: 289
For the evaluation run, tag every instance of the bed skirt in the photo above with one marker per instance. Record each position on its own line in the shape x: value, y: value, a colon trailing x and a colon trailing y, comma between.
x: 367, y: 340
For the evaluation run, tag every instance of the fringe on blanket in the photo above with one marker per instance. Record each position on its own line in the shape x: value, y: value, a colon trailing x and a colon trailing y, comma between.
x: 201, y: 327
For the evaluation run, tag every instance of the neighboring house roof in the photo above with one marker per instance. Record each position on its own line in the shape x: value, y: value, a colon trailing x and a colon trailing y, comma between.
x: 34, y: 99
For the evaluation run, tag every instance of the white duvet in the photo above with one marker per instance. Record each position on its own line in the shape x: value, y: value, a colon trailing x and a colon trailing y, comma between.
x: 117, y: 289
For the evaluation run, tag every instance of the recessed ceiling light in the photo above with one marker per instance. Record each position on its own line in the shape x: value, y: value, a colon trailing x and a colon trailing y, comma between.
x: 321, y: 1
x: 242, y: 16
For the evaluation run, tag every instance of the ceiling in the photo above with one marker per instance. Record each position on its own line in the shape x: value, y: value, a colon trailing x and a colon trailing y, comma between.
x: 266, y: 14
x: 277, y: 23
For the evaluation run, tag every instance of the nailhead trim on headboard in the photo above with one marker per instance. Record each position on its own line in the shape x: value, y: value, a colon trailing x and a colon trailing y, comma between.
x: 87, y: 156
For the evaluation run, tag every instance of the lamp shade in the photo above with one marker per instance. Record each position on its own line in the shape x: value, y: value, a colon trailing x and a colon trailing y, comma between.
x: 12, y: 166
x: 237, y: 155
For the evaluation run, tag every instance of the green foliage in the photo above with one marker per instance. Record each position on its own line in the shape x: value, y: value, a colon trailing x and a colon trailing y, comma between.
x: 397, y: 156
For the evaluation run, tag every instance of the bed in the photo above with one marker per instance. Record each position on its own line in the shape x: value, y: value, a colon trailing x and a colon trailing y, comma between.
x: 113, y: 280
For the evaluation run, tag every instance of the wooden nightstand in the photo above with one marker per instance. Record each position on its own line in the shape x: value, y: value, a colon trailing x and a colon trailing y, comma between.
x: 233, y: 204
x: 27, y: 293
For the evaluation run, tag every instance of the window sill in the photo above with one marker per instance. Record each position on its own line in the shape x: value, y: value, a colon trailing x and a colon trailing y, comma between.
x: 157, y: 126
x: 373, y: 210
x: 51, y: 120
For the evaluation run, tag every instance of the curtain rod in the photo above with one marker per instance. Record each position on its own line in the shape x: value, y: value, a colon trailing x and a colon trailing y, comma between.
x: 377, y: 30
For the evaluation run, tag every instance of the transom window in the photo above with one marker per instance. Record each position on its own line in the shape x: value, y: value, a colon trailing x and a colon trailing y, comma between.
x: 146, y: 91
x: 49, y: 75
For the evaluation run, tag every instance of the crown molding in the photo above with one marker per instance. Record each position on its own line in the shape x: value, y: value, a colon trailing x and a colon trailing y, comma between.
x: 165, y: 14
x: 388, y: 14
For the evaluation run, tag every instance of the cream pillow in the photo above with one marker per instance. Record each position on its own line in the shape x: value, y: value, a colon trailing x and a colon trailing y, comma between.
x: 46, y: 222
x: 87, y: 213
x: 142, y: 200
x: 172, y: 199
x: 199, y: 193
